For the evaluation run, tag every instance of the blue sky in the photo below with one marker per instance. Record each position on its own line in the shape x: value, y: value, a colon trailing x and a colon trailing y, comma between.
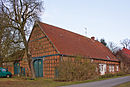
x: 108, y: 19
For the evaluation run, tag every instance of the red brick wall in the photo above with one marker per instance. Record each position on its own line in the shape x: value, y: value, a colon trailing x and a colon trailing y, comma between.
x: 24, y: 64
x: 40, y: 45
x: 9, y: 66
x: 99, y: 62
x: 107, y: 65
x: 49, y: 66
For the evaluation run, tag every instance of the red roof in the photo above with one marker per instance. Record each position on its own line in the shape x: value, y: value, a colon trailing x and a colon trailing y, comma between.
x: 69, y: 43
x: 126, y: 51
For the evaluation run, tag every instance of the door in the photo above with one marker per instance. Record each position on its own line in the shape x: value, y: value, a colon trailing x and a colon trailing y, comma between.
x: 16, y: 68
x: 102, y: 68
x: 22, y: 71
x: 38, y: 67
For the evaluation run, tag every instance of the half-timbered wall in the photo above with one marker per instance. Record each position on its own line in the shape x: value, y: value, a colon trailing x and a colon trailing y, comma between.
x: 41, y: 47
x: 24, y: 64
x: 98, y: 62
x: 108, y: 63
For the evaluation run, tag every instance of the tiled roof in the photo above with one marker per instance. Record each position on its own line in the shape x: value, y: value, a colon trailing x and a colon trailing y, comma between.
x: 126, y: 51
x: 69, y: 43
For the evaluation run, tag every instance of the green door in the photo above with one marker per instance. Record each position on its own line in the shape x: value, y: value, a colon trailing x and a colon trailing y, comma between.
x: 38, y: 67
x: 16, y: 68
x: 22, y: 71
x: 56, y: 72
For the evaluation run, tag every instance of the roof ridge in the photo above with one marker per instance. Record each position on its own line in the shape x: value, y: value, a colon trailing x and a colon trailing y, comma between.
x: 65, y: 30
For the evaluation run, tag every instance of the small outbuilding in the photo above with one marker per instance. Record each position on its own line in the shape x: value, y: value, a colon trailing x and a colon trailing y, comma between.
x: 12, y: 63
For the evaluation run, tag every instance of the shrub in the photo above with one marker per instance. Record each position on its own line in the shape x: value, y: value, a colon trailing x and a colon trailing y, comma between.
x: 76, y: 70
x: 109, y: 75
x: 121, y: 73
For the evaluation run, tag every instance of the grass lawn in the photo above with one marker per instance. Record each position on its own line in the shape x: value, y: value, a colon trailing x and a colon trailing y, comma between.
x: 127, y: 84
x: 39, y: 82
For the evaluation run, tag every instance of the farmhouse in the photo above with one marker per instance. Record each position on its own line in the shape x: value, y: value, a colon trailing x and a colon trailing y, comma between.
x: 49, y: 45
x: 126, y: 52
x: 124, y: 57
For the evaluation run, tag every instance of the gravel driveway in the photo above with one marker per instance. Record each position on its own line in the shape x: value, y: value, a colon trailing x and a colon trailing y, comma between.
x: 103, y: 83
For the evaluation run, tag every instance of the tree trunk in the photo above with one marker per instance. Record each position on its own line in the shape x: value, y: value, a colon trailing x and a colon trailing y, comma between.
x: 28, y: 55
x: 32, y: 69
x: 0, y: 50
x: 30, y: 62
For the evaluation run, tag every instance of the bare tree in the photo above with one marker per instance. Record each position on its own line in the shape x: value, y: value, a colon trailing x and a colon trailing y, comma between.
x: 8, y: 37
x: 113, y: 47
x: 125, y: 43
x: 22, y: 14
x: 3, y: 40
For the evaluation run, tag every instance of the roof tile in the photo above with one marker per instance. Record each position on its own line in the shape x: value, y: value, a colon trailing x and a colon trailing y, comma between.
x: 69, y: 43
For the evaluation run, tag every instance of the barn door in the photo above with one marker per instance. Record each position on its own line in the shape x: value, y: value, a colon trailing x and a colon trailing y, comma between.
x: 38, y: 67
x: 16, y: 68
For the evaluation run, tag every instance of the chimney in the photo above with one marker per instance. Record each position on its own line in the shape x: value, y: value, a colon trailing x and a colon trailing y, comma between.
x: 93, y: 38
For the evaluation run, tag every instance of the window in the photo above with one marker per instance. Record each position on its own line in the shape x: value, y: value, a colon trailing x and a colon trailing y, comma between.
x: 110, y: 68
x: 105, y: 68
x: 101, y: 67
x: 3, y: 70
x: 108, y: 57
x: 117, y: 68
x: 91, y: 60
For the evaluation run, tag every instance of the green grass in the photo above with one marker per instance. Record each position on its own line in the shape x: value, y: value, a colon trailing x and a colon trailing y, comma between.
x: 127, y: 84
x: 40, y: 82
x: 113, y: 77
